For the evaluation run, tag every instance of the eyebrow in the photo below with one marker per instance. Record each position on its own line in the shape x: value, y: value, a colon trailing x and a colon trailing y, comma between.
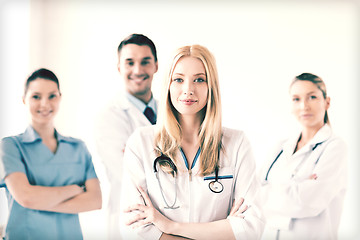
x: 197, y: 74
x: 309, y: 93
x: 55, y: 91
x: 145, y: 58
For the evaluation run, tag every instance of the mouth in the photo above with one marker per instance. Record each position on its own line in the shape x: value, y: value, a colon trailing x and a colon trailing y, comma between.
x: 308, y: 115
x: 45, y: 113
x: 188, y: 101
x: 137, y: 79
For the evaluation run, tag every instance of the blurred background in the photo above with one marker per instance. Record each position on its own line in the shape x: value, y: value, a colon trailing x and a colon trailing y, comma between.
x: 260, y: 46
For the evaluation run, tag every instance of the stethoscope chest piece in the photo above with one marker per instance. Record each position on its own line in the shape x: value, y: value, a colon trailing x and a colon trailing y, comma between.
x: 216, y: 186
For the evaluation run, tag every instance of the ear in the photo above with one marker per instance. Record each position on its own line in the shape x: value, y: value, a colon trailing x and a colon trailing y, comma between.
x: 23, y: 99
x: 327, y: 103
x: 156, y: 66
x: 118, y: 67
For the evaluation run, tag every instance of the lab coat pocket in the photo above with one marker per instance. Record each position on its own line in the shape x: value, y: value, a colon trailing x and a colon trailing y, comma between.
x: 220, y: 191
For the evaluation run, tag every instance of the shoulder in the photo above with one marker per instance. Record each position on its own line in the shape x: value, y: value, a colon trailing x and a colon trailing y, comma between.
x: 233, y: 135
x: 336, y: 143
x: 9, y: 141
x: 143, y: 133
x: 114, y: 111
x: 118, y: 103
x: 70, y: 140
x: 235, y: 141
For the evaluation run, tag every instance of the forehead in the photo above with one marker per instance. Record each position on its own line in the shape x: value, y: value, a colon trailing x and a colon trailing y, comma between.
x: 42, y: 85
x: 304, y: 87
x: 134, y: 51
x: 189, y: 65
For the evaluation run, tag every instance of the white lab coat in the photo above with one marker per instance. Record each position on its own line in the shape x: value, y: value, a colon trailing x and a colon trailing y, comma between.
x: 113, y: 127
x: 299, y: 207
x: 195, y: 201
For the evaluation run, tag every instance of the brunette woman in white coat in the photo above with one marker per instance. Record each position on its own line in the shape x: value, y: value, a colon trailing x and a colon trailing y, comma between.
x: 304, y: 182
x: 188, y: 176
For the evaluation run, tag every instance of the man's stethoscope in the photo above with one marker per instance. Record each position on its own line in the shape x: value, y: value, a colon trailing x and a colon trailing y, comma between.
x: 215, y: 186
x: 297, y: 167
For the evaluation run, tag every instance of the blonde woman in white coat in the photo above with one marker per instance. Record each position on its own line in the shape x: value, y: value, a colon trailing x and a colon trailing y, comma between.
x: 304, y: 182
x: 188, y: 176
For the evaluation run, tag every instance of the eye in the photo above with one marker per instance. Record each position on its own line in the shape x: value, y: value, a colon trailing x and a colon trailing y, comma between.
x: 130, y: 63
x: 145, y: 62
x: 177, y: 80
x: 313, y: 97
x: 52, y: 96
x: 36, y: 97
x: 200, y: 80
x: 296, y: 99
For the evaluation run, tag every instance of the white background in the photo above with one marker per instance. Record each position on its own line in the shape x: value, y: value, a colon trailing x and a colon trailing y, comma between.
x: 259, y: 47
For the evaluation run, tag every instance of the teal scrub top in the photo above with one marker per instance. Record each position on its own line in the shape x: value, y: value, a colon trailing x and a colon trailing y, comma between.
x: 71, y: 164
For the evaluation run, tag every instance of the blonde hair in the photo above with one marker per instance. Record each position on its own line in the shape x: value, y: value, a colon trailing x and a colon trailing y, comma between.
x: 168, y: 139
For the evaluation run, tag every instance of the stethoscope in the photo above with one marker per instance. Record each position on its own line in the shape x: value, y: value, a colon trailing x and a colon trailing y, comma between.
x: 297, y: 167
x: 215, y: 186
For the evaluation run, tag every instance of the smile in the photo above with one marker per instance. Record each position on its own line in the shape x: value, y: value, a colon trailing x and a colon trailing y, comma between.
x: 138, y: 79
x: 306, y: 115
x: 45, y: 113
x: 188, y: 101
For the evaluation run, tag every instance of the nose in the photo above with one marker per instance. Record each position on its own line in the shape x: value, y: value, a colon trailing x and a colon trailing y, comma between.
x: 44, y: 102
x: 188, y: 88
x: 138, y: 69
x: 304, y: 104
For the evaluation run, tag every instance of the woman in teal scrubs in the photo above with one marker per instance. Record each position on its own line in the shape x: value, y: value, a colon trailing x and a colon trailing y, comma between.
x: 49, y: 178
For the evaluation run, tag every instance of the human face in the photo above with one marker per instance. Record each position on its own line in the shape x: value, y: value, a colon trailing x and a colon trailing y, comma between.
x: 308, y: 104
x: 42, y: 99
x: 189, y: 87
x: 137, y: 67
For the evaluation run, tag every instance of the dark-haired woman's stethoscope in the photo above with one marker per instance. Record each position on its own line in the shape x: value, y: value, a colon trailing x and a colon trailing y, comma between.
x: 215, y: 186
x: 296, y: 169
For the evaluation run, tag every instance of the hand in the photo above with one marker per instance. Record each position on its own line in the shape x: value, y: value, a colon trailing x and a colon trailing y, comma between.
x: 147, y: 214
x: 236, y: 211
x: 313, y: 176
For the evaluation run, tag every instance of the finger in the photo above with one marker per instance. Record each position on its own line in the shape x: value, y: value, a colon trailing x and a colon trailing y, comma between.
x: 240, y: 215
x: 138, y: 217
x: 140, y: 223
x: 145, y: 197
x: 243, y: 209
x: 236, y: 206
x: 135, y: 207
x: 313, y: 176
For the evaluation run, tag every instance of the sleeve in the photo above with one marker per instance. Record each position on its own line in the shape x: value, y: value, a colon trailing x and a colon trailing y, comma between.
x: 247, y: 186
x: 308, y: 198
x: 111, y: 134
x: 90, y: 170
x: 134, y: 175
x: 10, y: 158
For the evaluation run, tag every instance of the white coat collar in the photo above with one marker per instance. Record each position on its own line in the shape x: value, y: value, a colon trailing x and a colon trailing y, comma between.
x: 321, y: 136
x: 122, y: 102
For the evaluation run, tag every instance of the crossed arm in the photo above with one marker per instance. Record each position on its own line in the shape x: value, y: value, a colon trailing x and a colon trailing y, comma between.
x: 64, y: 199
x: 148, y: 214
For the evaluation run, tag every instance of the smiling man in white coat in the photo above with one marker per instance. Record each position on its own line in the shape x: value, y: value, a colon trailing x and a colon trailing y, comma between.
x: 132, y: 108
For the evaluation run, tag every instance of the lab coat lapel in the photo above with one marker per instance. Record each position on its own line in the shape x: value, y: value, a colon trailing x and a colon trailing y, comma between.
x: 134, y: 113
x: 321, y: 136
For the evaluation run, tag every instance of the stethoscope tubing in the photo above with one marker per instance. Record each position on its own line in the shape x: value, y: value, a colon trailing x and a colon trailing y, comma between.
x: 277, y: 157
x: 215, y: 186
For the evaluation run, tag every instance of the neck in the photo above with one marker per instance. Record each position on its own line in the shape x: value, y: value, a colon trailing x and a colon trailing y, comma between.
x: 145, y: 98
x: 45, y: 131
x: 190, y: 126
x: 308, y: 133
